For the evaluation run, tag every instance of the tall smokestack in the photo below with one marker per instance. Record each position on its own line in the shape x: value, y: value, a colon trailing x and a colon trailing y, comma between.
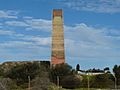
x: 58, y: 52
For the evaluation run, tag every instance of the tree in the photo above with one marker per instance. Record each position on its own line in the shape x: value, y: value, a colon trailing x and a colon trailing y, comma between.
x: 116, y: 71
x: 70, y: 82
x: 94, y: 70
x: 21, y: 72
x: 61, y: 71
x: 15, y: 76
x: 102, y: 81
x: 107, y: 70
x: 7, y: 84
x: 77, y: 67
x: 40, y: 83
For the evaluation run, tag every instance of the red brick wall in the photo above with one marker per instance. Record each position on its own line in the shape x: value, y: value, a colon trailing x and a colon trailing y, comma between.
x: 57, y: 60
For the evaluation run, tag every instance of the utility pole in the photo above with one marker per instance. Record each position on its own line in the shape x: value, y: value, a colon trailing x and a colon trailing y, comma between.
x: 88, y: 81
x: 58, y: 81
x: 115, y: 82
x: 28, y: 82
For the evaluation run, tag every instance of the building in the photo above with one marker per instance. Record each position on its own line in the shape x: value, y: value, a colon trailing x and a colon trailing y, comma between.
x: 58, y: 52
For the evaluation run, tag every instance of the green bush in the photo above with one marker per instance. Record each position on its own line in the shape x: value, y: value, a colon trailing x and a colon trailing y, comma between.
x: 70, y: 82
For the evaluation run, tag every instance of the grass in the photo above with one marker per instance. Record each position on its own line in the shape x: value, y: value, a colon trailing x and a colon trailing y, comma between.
x: 60, y: 88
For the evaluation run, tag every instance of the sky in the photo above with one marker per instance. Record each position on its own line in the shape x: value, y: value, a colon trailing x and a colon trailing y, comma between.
x: 91, y: 30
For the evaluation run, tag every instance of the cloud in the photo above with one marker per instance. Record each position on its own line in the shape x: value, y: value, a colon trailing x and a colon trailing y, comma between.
x: 86, y: 34
x: 15, y: 44
x: 10, y: 34
x: 1, y: 24
x: 6, y: 32
x: 16, y: 23
x: 32, y: 24
x: 27, y: 17
x: 91, y: 42
x: 22, y: 50
x: 81, y: 40
x: 8, y: 14
x: 100, y: 6
x: 45, y: 41
x: 39, y: 24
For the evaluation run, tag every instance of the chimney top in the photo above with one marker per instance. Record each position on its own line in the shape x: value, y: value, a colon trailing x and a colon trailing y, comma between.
x: 57, y: 12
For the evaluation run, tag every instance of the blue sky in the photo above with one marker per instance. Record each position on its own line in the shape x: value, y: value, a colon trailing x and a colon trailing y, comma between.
x: 92, y: 31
